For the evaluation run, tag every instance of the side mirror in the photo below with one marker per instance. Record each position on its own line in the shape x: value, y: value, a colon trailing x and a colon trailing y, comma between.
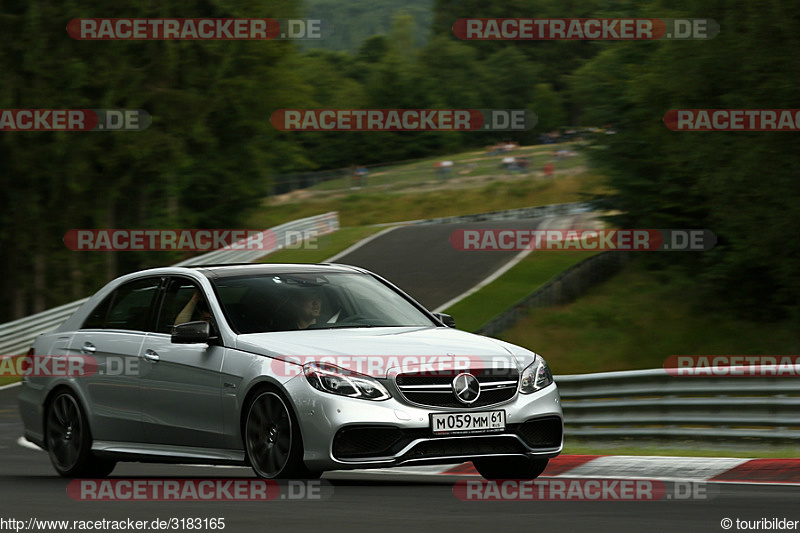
x: 446, y: 319
x: 196, y: 332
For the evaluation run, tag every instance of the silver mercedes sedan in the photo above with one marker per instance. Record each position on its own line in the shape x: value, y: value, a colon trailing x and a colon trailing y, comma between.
x: 291, y: 369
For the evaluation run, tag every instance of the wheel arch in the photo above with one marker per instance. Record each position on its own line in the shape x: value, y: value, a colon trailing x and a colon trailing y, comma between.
x: 297, y: 446
x: 48, y: 400
x: 257, y: 386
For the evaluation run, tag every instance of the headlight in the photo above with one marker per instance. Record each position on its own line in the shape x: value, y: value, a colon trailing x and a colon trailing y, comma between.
x: 536, y: 377
x: 335, y: 380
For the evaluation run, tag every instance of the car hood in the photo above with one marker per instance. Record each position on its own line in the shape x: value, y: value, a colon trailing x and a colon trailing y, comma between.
x: 387, y: 348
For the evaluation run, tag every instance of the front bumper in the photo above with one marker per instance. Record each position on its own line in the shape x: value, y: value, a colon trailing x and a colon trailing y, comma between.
x: 346, y: 433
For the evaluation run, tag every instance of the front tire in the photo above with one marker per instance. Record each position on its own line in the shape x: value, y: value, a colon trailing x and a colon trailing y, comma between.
x: 498, y: 468
x: 272, y: 438
x: 69, y: 441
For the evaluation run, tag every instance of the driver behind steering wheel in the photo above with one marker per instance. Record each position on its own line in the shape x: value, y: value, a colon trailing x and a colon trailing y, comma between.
x: 307, y: 306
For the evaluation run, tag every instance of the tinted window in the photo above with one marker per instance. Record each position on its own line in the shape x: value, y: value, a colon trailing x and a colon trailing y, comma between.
x: 181, y: 305
x: 132, y: 305
x: 97, y: 318
x: 281, y: 302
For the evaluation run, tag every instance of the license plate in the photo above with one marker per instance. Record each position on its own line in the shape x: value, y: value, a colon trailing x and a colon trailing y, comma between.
x: 475, y: 422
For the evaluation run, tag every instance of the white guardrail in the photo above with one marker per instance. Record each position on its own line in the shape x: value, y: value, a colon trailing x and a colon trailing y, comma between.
x: 17, y: 336
x: 551, y: 210
x: 653, y: 403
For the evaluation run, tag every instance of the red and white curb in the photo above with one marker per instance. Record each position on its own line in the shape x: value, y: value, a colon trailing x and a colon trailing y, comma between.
x: 704, y: 469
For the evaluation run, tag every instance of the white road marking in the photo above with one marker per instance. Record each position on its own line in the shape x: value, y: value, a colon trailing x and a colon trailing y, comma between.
x: 360, y: 243
x: 546, y: 224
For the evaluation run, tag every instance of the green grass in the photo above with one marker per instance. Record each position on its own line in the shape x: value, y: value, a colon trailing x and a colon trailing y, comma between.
x: 412, y: 190
x: 364, y: 207
x: 5, y: 380
x: 8, y: 374
x: 325, y: 246
x: 525, y: 277
x: 636, y: 320
x: 481, y: 164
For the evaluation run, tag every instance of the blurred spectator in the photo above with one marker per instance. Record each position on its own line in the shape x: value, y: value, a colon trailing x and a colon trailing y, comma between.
x: 510, y: 164
x: 502, y: 148
x: 362, y: 174
x: 494, y: 149
x: 359, y: 177
x: 443, y: 169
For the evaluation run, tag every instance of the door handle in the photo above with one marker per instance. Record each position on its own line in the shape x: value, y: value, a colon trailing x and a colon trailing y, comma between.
x: 88, y: 348
x: 151, y: 356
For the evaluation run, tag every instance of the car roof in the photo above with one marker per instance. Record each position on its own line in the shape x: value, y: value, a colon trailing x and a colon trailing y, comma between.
x: 251, y: 269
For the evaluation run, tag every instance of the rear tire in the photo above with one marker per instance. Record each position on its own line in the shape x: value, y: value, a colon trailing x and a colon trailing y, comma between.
x: 272, y: 439
x: 69, y: 441
x: 498, y: 468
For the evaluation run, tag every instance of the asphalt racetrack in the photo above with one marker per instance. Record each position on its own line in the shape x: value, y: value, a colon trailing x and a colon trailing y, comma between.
x: 375, y: 500
x: 421, y: 261
x: 365, y: 501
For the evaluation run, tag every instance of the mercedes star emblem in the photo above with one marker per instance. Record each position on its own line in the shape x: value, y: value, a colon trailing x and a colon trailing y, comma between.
x: 466, y: 388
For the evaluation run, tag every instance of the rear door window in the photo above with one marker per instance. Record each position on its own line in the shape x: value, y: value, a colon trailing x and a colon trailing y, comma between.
x: 129, y: 307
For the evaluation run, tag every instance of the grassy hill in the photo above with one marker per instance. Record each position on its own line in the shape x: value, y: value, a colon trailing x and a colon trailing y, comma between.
x: 637, y: 319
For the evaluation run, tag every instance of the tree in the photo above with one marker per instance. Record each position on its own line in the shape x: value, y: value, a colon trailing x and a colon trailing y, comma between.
x: 742, y: 186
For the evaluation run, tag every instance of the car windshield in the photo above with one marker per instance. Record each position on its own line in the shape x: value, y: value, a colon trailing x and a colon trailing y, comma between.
x: 286, y: 302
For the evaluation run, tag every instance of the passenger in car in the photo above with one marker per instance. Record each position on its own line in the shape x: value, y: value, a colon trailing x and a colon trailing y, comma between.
x: 196, y: 307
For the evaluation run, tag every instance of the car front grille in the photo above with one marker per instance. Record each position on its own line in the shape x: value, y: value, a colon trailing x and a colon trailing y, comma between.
x: 436, y: 390
x: 369, y: 442
x: 542, y: 432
